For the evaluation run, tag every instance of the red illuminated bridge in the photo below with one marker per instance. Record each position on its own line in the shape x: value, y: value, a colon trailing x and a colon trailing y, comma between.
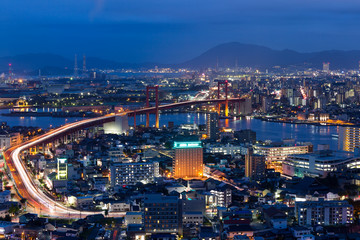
x: 41, y: 201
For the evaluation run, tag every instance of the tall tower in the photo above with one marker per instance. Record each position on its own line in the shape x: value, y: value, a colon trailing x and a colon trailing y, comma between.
x: 84, y: 64
x: 212, y: 126
x: 75, y: 66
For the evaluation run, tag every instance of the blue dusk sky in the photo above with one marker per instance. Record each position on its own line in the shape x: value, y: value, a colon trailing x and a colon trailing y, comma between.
x: 172, y: 31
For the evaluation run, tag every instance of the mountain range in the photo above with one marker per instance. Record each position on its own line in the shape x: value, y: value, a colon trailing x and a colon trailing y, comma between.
x: 224, y: 55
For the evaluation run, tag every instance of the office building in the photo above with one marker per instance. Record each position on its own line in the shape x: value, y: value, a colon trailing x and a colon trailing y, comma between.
x: 212, y: 126
x: 62, y: 168
x: 254, y: 165
x: 132, y: 173
x: 188, y: 161
x: 349, y: 138
x: 245, y: 136
x: 319, y: 164
x: 228, y: 149
x: 322, y: 212
x: 161, y: 214
x: 276, y: 153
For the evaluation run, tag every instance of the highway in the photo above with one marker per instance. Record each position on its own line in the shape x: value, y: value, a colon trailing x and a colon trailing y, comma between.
x: 41, y: 202
x: 28, y: 189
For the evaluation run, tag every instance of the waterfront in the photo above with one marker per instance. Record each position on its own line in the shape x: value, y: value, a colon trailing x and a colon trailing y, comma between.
x: 265, y: 130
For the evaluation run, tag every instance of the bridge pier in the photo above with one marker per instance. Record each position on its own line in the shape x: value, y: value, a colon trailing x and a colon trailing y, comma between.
x: 225, y: 83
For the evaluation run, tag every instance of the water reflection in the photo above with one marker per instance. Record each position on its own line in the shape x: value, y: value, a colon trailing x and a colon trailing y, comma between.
x: 264, y: 130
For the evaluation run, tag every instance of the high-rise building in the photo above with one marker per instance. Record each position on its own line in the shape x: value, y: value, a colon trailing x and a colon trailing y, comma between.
x: 161, y: 214
x: 349, y: 138
x: 188, y: 161
x: 324, y: 213
x: 254, y: 165
x: 266, y: 103
x: 326, y: 66
x: 212, y: 126
x: 62, y: 168
x: 244, y: 107
x: 132, y: 173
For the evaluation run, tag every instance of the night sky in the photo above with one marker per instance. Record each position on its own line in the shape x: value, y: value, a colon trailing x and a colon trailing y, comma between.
x: 171, y: 31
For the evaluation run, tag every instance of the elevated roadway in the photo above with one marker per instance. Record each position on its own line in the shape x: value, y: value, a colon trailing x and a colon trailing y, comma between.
x: 41, y: 201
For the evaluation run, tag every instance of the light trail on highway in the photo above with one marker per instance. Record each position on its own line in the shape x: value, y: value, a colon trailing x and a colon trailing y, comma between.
x: 34, y: 195
x: 28, y: 189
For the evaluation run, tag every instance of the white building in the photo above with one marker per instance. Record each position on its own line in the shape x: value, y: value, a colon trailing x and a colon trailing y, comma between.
x: 228, y: 149
x: 319, y: 164
x: 300, y: 232
x: 120, y: 126
x: 220, y: 197
x: 324, y: 213
x: 132, y: 173
x: 133, y: 218
x: 277, y: 153
x: 119, y: 207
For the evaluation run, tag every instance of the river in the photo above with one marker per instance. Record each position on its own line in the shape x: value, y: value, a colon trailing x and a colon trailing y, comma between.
x: 264, y: 130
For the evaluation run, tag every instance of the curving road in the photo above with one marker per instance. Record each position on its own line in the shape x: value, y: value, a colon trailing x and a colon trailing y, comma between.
x: 43, y: 203
x: 28, y: 189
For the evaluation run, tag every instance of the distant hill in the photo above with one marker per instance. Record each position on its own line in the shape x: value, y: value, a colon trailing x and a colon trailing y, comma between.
x: 32, y: 62
x: 225, y: 55
x: 229, y: 54
x: 56, y: 64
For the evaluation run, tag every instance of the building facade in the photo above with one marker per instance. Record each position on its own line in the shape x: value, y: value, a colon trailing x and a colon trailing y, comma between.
x: 62, y: 168
x: 254, y: 165
x: 349, y: 138
x: 161, y: 214
x: 276, y: 154
x: 132, y: 173
x: 188, y: 161
x: 319, y: 164
x: 324, y: 213
x: 212, y: 126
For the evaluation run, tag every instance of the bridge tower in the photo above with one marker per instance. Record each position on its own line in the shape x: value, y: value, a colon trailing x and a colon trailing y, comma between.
x: 223, y: 83
x: 156, y: 88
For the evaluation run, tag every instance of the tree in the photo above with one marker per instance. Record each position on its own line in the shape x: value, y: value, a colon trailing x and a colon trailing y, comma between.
x: 14, y: 210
